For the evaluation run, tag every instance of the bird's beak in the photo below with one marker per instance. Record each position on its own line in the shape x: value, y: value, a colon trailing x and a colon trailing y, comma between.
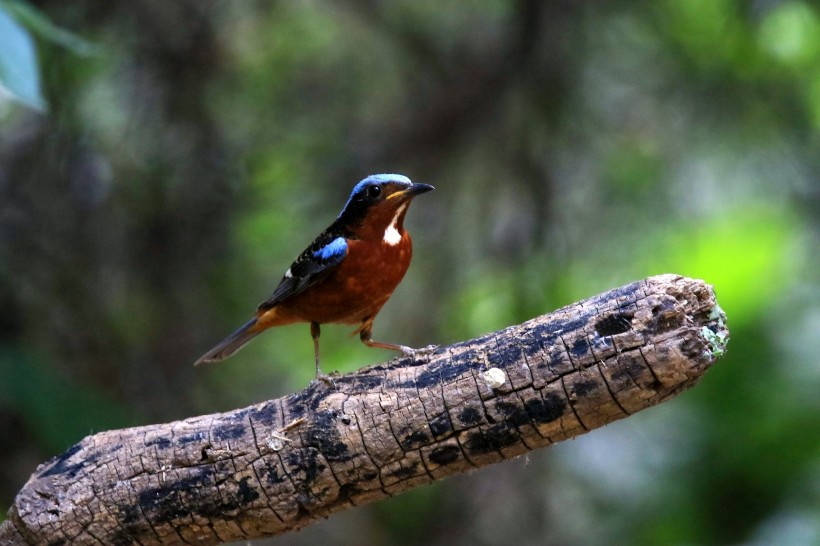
x: 412, y: 191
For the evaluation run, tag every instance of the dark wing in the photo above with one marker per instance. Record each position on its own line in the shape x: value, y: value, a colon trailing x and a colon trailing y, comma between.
x: 313, y: 265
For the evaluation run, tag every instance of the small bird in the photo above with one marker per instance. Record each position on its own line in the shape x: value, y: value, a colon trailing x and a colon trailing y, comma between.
x: 346, y: 274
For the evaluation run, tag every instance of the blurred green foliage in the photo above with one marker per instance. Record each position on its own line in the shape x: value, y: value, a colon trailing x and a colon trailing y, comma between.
x: 52, y: 407
x: 193, y: 151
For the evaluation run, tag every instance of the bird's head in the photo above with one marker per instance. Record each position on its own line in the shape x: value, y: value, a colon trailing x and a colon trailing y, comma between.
x: 378, y: 202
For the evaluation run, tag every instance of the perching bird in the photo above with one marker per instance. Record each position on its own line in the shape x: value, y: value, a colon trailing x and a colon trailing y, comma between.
x: 346, y: 274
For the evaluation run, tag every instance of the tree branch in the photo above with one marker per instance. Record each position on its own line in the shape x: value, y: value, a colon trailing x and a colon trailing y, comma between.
x: 281, y: 465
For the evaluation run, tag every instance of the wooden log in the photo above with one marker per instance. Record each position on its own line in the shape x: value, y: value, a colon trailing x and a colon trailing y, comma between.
x: 280, y: 465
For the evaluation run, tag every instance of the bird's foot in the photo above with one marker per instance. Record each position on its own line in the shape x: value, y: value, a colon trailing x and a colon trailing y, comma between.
x: 422, y: 351
x: 326, y: 379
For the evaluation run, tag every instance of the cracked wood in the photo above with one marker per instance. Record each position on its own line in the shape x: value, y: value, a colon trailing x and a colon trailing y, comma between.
x: 278, y: 466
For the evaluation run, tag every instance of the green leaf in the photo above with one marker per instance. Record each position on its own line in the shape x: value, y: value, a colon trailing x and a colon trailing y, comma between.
x: 18, y: 63
x: 39, y: 24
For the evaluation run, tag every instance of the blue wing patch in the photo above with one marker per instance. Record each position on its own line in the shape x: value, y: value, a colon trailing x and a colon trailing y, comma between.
x: 309, y: 268
x: 332, y: 251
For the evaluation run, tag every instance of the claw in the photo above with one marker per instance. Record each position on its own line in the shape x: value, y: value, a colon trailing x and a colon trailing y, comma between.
x: 326, y: 379
x: 408, y: 351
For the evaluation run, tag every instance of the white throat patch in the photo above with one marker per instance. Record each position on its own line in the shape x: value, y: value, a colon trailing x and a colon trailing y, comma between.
x: 391, y: 234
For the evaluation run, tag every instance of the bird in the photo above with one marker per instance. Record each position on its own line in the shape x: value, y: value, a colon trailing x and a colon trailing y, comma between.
x: 346, y: 274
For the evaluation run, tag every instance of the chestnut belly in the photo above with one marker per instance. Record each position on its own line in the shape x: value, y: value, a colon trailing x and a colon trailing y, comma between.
x: 356, y: 290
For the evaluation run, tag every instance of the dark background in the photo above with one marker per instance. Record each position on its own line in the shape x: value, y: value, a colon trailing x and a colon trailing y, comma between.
x: 198, y: 147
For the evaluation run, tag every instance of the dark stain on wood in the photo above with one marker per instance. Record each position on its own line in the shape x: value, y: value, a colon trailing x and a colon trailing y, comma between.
x: 493, y: 438
x: 348, y: 491
x: 129, y: 513
x: 405, y: 472
x: 228, y: 431
x: 160, y: 442
x: 304, y: 402
x: 440, y: 425
x: 266, y: 414
x: 505, y: 351
x: 514, y: 414
x: 323, y: 434
x: 445, y: 455
x: 614, y: 324
x: 120, y: 537
x: 353, y: 384
x: 546, y: 410
x: 271, y: 475
x: 469, y: 416
x: 307, y: 461
x: 580, y: 348
x: 181, y: 497
x: 665, y: 316
x: 370, y: 476
x: 60, y: 464
x: 443, y: 371
x: 246, y: 492
x: 193, y: 438
x: 560, y: 326
x: 630, y: 368
x: 584, y: 386
x: 415, y: 439
x: 533, y: 347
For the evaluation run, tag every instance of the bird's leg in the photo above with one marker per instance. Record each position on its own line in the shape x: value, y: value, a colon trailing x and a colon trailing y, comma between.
x: 367, y: 332
x: 314, y: 333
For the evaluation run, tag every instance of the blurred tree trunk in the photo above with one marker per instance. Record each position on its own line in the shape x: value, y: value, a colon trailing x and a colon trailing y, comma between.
x: 142, y: 213
x: 146, y: 214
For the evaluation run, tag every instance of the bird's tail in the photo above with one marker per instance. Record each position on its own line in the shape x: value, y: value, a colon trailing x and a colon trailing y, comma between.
x: 231, y: 344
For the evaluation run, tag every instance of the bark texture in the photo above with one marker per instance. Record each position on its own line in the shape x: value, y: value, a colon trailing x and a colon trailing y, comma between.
x: 282, y: 464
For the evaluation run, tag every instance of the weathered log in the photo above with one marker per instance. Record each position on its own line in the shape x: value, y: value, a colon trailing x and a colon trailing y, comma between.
x: 282, y: 464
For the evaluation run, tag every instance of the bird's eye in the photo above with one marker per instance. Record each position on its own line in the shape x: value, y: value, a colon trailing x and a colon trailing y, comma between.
x: 374, y: 191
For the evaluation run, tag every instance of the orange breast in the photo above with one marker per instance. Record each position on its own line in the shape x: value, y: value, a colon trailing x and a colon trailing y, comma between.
x: 357, y: 289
